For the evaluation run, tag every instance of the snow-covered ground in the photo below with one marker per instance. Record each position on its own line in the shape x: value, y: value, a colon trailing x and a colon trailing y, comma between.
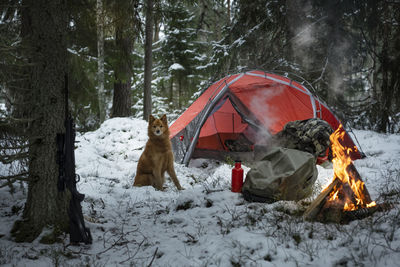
x: 206, y: 224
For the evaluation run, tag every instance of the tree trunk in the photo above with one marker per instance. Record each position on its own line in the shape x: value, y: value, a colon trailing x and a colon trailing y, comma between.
x: 179, y: 91
x: 229, y: 12
x: 45, y: 48
x: 171, y: 91
x: 337, y: 57
x: 148, y: 61
x: 122, y: 70
x: 121, y: 105
x: 100, y: 60
x: 386, y: 96
x: 296, y: 21
x: 156, y: 22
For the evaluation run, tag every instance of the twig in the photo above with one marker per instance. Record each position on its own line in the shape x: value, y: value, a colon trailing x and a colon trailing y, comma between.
x: 116, y: 243
x: 12, y: 179
x: 322, y: 72
x: 209, y: 191
x: 154, y: 256
x: 7, y: 159
x: 20, y: 176
x: 136, y: 252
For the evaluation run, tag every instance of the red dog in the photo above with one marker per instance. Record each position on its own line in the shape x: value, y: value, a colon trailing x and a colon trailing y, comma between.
x: 157, y: 157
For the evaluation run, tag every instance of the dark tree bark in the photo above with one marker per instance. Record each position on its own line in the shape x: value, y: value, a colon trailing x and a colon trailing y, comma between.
x: 148, y: 60
x: 386, y: 88
x: 180, y: 92
x: 156, y: 21
x: 121, y: 99
x: 44, y: 27
x: 171, y: 91
x: 100, y: 59
x: 122, y: 86
x: 229, y: 12
x: 380, y: 33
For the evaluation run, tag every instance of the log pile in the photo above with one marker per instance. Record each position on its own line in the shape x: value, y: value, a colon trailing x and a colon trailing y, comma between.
x: 324, y: 209
x: 346, y: 198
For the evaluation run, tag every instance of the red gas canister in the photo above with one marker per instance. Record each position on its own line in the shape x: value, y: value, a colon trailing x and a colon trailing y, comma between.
x: 237, y: 177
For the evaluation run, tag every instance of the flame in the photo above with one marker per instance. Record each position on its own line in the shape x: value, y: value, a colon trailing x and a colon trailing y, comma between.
x: 335, y: 195
x: 341, y: 160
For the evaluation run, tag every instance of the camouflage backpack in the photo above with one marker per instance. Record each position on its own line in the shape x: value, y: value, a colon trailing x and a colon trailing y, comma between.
x: 311, y: 135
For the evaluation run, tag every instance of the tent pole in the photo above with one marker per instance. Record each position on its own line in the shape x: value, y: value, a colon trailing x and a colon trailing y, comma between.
x: 203, y: 119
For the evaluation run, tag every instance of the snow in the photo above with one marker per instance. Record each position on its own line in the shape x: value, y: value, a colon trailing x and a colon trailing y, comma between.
x: 206, y: 224
x: 176, y: 66
x: 2, y: 107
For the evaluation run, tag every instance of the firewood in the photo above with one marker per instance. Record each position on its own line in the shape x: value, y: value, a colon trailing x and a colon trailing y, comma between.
x: 352, y: 171
x: 331, y: 214
x: 333, y: 211
x: 345, y: 194
x: 364, y: 212
x: 318, y: 203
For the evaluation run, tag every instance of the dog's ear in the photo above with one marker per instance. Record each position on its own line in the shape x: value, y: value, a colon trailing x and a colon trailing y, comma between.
x: 151, y: 118
x: 164, y: 119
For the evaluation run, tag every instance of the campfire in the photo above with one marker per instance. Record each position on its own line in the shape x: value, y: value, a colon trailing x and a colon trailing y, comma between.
x: 346, y: 198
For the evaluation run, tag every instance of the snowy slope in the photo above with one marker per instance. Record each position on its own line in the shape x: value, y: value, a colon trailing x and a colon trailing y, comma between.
x: 206, y: 224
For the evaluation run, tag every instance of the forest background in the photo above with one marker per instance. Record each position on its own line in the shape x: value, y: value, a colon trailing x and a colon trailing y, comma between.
x: 130, y: 58
x: 349, y: 52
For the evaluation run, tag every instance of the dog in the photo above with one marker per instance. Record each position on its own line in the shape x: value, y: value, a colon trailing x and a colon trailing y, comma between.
x: 157, y: 157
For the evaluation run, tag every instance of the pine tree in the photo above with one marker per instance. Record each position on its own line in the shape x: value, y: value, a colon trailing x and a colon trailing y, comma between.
x: 45, y: 48
x: 379, y: 35
x: 148, y: 60
x: 126, y: 24
x: 100, y: 58
x: 83, y: 65
x: 180, y: 52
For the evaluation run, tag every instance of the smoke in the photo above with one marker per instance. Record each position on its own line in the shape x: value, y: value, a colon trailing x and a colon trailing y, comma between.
x: 305, y: 38
x: 301, y: 44
x: 302, y: 31
x: 319, y: 45
x: 336, y: 82
x: 262, y: 105
x: 338, y: 67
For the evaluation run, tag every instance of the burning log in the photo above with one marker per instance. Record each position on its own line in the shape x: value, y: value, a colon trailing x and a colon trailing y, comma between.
x: 364, y: 212
x: 324, y: 209
x: 352, y: 171
x: 347, y: 195
x: 319, y: 202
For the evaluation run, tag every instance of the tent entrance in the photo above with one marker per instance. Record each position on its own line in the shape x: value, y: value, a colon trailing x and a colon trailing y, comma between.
x: 226, y: 134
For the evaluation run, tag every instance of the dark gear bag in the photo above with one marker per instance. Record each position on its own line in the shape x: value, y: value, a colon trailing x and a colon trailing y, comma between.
x: 282, y: 174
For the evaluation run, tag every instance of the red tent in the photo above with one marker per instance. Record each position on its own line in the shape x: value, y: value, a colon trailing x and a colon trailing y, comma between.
x: 250, y: 106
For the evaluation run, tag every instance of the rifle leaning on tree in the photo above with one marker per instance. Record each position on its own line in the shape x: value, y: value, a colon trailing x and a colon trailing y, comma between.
x: 68, y: 178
